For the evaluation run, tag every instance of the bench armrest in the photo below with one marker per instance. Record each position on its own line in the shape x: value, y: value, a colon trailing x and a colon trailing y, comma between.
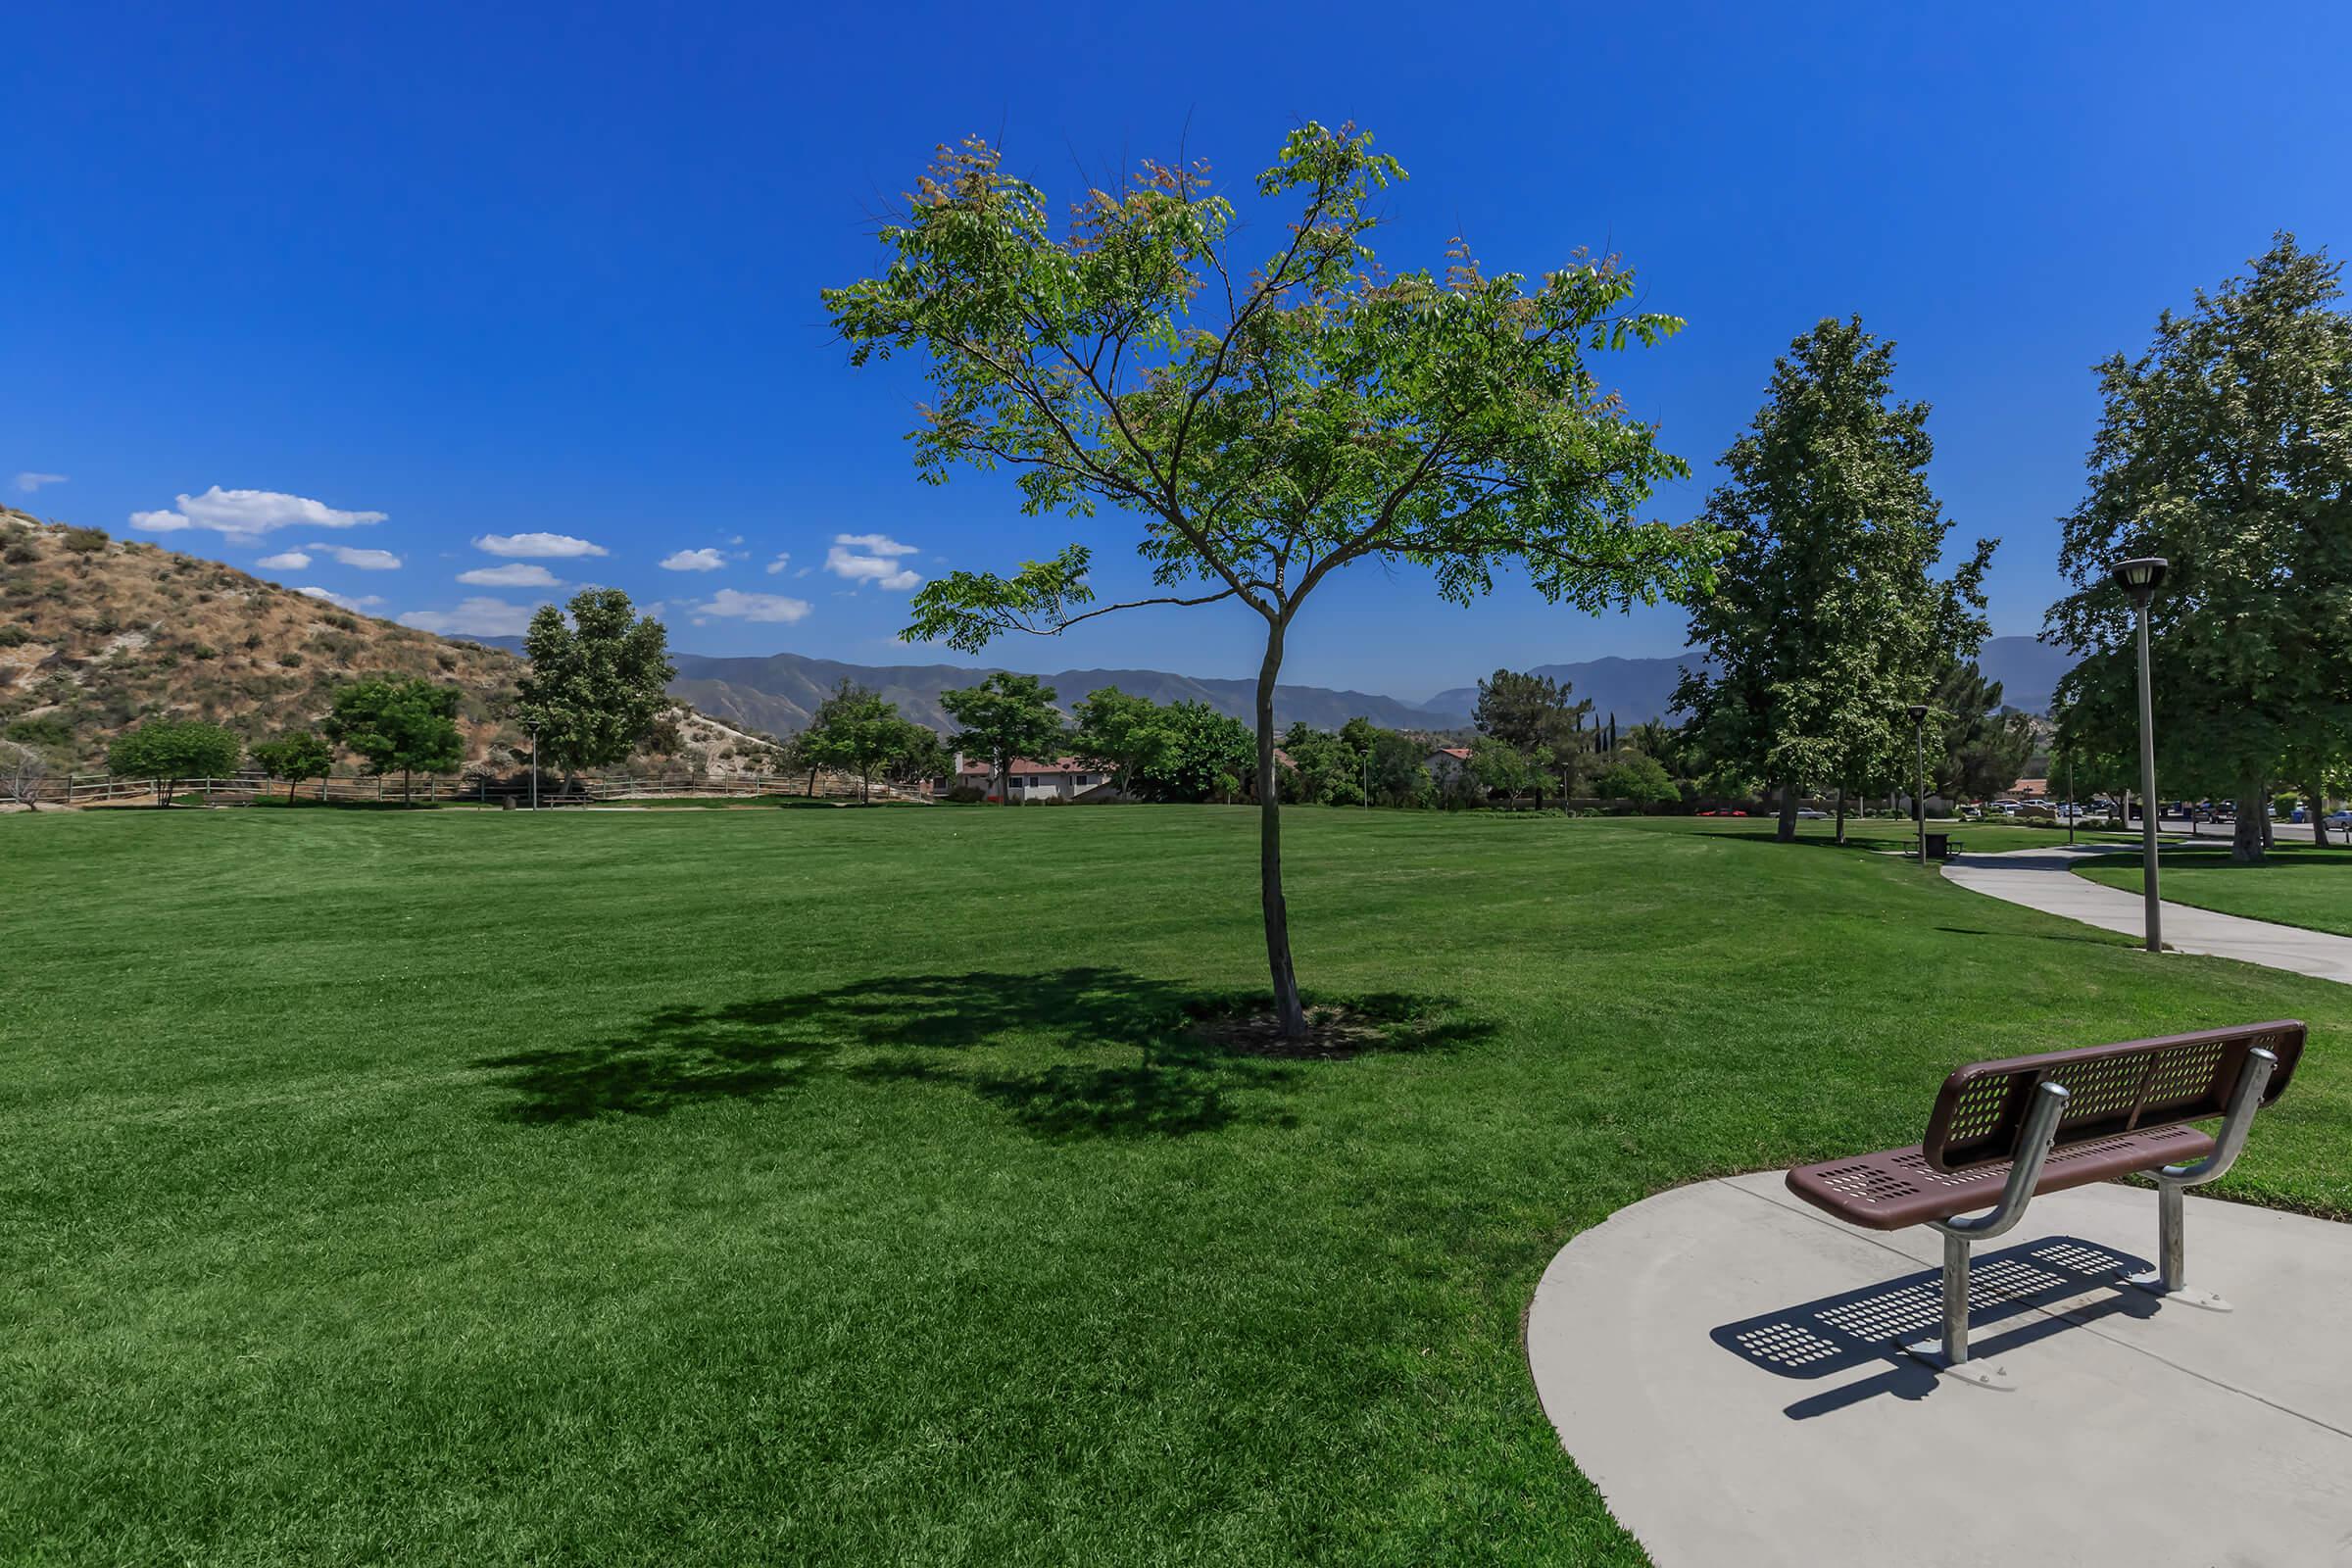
x: 2025, y: 1172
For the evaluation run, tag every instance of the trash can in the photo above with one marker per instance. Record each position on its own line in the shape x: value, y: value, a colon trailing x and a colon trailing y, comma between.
x: 1939, y: 845
x: 505, y: 803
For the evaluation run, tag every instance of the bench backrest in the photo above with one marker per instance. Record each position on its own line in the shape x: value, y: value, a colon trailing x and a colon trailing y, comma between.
x: 2112, y: 1090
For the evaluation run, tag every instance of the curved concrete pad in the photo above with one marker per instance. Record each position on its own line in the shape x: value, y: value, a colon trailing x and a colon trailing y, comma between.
x: 1722, y: 1362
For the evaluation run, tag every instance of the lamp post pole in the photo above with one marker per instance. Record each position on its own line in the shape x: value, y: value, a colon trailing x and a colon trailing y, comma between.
x: 2070, y: 800
x: 1919, y: 777
x: 2139, y: 578
x: 534, y: 768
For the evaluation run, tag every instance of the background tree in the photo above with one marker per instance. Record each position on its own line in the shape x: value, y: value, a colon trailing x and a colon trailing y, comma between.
x: 23, y: 771
x: 1400, y: 769
x: 1532, y: 712
x: 408, y: 726
x: 598, y: 681
x: 1827, y: 622
x: 2225, y: 448
x: 169, y: 750
x: 1264, y: 426
x: 1128, y: 735
x: 1207, y: 756
x: 1004, y: 719
x: 1980, y: 751
x: 1502, y: 768
x: 856, y: 730
x: 295, y: 755
x: 1635, y: 777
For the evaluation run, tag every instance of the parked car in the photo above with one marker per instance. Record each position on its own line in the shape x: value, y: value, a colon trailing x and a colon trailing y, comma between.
x: 1806, y: 813
x: 2339, y: 818
x: 1970, y: 813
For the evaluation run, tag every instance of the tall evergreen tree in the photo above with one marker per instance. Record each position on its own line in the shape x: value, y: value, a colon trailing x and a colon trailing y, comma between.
x: 1828, y: 620
x: 2226, y: 449
x: 1534, y: 715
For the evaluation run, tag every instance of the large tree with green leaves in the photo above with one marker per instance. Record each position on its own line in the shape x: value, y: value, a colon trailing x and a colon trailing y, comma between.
x: 1127, y: 734
x: 597, y: 679
x: 1263, y: 427
x: 165, y: 751
x: 1005, y: 719
x: 2226, y: 449
x: 295, y: 755
x: 859, y: 731
x: 1829, y: 619
x: 400, y: 726
x: 1535, y: 714
x: 1980, y: 748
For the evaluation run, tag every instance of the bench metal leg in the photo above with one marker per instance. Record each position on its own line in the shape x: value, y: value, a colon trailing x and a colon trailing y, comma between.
x: 2169, y: 1278
x: 1948, y: 1353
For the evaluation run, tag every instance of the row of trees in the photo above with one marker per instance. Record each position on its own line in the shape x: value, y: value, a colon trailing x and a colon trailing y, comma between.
x: 594, y: 694
x: 2225, y: 448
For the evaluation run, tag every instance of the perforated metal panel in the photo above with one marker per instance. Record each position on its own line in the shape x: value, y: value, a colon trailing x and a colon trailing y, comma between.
x: 2113, y: 1089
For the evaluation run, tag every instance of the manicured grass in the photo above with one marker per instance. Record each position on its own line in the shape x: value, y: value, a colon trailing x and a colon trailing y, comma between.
x: 2296, y: 884
x: 844, y: 1186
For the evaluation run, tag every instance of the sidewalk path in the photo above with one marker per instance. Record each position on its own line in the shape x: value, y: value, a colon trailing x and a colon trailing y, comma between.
x: 2043, y: 879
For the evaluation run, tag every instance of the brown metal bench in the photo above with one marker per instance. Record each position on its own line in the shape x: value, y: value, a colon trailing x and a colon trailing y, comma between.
x: 2003, y: 1131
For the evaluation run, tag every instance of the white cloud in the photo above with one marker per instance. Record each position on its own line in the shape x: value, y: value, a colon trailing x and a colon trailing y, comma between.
x: 474, y: 618
x: 362, y: 559
x: 284, y: 560
x: 29, y: 481
x: 871, y: 558
x: 694, y: 561
x: 247, y: 515
x: 342, y: 600
x: 783, y: 560
x: 514, y: 574
x: 753, y: 607
x: 543, y: 545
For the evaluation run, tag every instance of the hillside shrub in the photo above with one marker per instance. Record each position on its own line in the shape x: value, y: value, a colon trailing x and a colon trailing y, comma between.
x: 14, y: 636
x: 290, y: 658
x: 86, y: 541
x: 19, y: 552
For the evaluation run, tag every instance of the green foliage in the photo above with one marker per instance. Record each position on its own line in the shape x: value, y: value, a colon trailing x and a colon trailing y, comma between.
x: 48, y: 730
x: 84, y: 541
x: 403, y: 726
x: 1828, y: 621
x: 14, y: 636
x: 1005, y: 719
x: 2226, y: 448
x: 1207, y: 756
x: 295, y: 755
x: 1642, y: 780
x: 1532, y: 715
x: 165, y: 750
x: 1983, y: 751
x: 1264, y: 426
x: 1502, y: 768
x: 858, y: 731
x: 1131, y: 736
x: 597, y: 681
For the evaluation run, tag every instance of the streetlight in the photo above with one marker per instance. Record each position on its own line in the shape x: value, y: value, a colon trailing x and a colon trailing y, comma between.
x: 2140, y: 578
x: 1919, y: 775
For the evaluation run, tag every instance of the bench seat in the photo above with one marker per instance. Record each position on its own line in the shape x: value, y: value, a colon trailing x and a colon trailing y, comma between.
x: 1897, y: 1188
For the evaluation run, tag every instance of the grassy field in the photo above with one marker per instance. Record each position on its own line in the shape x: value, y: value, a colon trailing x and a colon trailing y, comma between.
x: 847, y: 1186
x: 2296, y: 884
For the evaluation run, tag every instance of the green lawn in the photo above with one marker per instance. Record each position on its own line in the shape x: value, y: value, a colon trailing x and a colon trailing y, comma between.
x: 845, y: 1186
x: 2296, y: 884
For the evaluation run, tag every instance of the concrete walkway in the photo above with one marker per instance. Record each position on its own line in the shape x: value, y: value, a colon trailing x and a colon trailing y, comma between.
x: 2043, y: 879
x: 1722, y: 1361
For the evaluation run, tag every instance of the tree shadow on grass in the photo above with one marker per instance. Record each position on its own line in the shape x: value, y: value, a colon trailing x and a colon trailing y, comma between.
x: 1169, y: 1076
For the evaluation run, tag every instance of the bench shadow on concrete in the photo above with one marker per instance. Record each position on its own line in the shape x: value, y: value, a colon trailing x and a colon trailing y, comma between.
x: 2017, y: 1285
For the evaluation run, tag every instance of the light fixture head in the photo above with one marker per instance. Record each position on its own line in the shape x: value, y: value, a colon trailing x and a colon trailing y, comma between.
x: 2142, y: 575
x: 1918, y: 712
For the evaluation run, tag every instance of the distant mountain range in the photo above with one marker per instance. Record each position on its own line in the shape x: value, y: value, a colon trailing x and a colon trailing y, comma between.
x: 780, y: 692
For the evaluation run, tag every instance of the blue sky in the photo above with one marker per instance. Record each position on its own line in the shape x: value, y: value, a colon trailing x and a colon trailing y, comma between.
x: 419, y: 277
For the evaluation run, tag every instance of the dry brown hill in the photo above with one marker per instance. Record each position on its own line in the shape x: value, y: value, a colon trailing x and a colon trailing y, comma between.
x: 97, y: 634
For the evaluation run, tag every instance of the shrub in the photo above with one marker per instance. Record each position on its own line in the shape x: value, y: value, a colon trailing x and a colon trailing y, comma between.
x: 290, y: 658
x: 48, y: 730
x: 14, y: 636
x: 204, y: 651
x: 19, y: 552
x: 86, y: 541
x: 967, y: 794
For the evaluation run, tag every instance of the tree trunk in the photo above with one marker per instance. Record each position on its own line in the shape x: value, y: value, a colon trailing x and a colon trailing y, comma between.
x: 2245, y: 840
x: 163, y: 796
x: 1788, y: 828
x: 1287, y: 1008
x: 812, y: 783
x: 1841, y: 814
x: 866, y: 789
x: 2315, y: 803
x: 290, y: 783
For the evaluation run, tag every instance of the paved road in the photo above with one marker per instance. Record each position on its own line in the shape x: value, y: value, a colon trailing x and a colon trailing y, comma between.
x: 2043, y: 879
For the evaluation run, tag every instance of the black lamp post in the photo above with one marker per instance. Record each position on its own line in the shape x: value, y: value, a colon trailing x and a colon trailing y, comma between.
x: 1919, y: 775
x: 2140, y: 578
x: 534, y: 768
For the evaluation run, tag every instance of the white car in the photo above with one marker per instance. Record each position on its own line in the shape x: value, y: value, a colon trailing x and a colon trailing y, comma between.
x: 1806, y: 813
